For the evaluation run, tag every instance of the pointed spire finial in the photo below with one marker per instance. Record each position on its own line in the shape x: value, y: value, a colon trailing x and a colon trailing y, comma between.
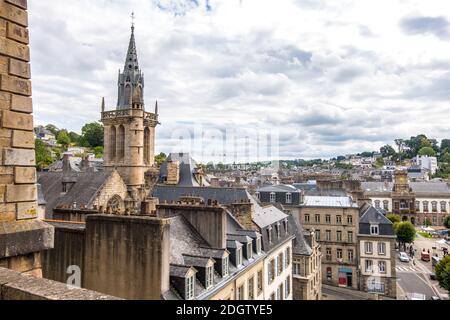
x: 156, y: 107
x: 133, y: 17
x: 103, y: 104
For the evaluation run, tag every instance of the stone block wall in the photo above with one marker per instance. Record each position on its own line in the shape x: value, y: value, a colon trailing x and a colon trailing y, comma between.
x: 16, y: 286
x: 22, y: 237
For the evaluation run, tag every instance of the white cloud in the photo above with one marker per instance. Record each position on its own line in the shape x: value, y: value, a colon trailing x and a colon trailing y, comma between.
x: 332, y: 77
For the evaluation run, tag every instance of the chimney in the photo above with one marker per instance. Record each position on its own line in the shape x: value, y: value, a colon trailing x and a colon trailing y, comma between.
x: 173, y: 172
x: 66, y: 163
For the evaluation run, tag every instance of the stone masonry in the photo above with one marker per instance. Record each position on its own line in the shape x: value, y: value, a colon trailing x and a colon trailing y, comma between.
x: 22, y: 236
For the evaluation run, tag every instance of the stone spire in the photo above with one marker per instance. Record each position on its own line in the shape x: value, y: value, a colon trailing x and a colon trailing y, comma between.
x: 131, y: 80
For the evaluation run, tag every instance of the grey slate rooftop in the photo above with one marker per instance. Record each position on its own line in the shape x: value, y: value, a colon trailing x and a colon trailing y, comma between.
x: 187, y: 169
x: 419, y: 188
x: 329, y: 202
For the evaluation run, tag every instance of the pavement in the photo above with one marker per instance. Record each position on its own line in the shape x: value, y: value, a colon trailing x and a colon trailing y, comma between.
x: 414, y: 277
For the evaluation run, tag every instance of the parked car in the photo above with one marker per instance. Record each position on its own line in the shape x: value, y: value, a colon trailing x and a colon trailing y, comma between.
x: 432, y: 276
x: 435, y: 298
x: 403, y: 257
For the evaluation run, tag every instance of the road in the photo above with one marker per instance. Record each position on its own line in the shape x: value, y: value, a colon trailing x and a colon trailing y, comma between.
x: 415, y: 278
x: 411, y: 279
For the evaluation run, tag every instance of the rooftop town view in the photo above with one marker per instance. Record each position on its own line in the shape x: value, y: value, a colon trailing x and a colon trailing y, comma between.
x: 178, y: 181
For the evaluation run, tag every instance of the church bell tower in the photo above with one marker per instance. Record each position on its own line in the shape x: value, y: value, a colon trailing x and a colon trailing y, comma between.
x: 129, y: 137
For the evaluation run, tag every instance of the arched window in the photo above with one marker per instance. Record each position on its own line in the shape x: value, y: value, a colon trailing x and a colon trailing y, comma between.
x: 147, y: 146
x: 121, y: 143
x: 115, y: 205
x: 112, y: 143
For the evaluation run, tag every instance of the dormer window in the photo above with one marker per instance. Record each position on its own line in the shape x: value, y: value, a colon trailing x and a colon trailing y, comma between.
x: 258, y: 245
x: 249, y: 251
x: 209, y: 276
x: 272, y: 197
x: 374, y: 229
x: 239, y: 257
x: 190, y: 285
x: 258, y: 195
x: 225, y: 267
x: 288, y: 197
x: 286, y: 226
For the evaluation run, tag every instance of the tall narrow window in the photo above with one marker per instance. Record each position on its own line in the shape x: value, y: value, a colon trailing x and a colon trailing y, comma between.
x: 289, y: 198
x: 272, y: 197
x: 121, y: 143
x: 190, y: 287
x: 112, y: 143
x: 147, y: 146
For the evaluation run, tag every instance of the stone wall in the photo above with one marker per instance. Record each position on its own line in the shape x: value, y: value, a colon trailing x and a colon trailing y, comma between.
x: 16, y: 286
x: 22, y: 237
x: 68, y: 251
x: 127, y: 256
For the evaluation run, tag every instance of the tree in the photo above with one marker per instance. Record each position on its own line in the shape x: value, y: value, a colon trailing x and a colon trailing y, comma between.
x: 92, y: 135
x: 387, y: 151
x: 427, y: 151
x: 63, y: 138
x: 43, y: 156
x: 160, y: 158
x: 379, y: 163
x: 98, y: 151
x: 393, y: 218
x: 445, y: 145
x: 427, y: 222
x: 445, y: 157
x: 366, y: 154
x: 405, y: 232
x: 74, y: 137
x: 52, y: 128
x: 442, y: 271
x: 447, y: 221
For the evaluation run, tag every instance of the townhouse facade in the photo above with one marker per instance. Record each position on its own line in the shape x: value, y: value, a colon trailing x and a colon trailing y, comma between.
x: 376, y: 242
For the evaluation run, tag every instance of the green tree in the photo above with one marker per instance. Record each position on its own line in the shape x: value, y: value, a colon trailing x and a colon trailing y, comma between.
x: 92, y: 135
x: 387, y: 151
x: 445, y: 145
x: 427, y: 151
x: 442, y: 271
x: 63, y: 138
x: 53, y: 129
x: 445, y: 157
x: 74, y: 137
x: 160, y: 158
x: 405, y: 232
x: 447, y: 221
x: 379, y: 163
x: 393, y: 218
x: 43, y: 156
x: 98, y: 151
x: 427, y: 222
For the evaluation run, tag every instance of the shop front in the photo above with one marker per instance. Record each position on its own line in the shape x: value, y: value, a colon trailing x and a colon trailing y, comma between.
x: 345, y: 277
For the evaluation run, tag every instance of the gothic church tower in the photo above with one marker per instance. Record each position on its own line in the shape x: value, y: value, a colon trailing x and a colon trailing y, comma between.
x: 129, y: 136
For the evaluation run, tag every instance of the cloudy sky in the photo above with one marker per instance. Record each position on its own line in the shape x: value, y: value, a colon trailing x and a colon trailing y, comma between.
x: 325, y: 77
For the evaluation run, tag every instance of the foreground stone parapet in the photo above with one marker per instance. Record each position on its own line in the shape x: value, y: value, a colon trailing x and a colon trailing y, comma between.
x: 16, y: 286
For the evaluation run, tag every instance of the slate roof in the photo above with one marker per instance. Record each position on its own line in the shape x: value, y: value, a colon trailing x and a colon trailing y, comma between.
x: 265, y: 215
x: 187, y: 170
x: 300, y: 244
x: 223, y: 196
x: 433, y: 188
x: 83, y: 192
x: 278, y: 188
x: 329, y: 202
x: 371, y: 216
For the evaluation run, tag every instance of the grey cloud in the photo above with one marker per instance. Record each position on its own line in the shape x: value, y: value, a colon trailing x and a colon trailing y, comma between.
x: 438, y: 26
